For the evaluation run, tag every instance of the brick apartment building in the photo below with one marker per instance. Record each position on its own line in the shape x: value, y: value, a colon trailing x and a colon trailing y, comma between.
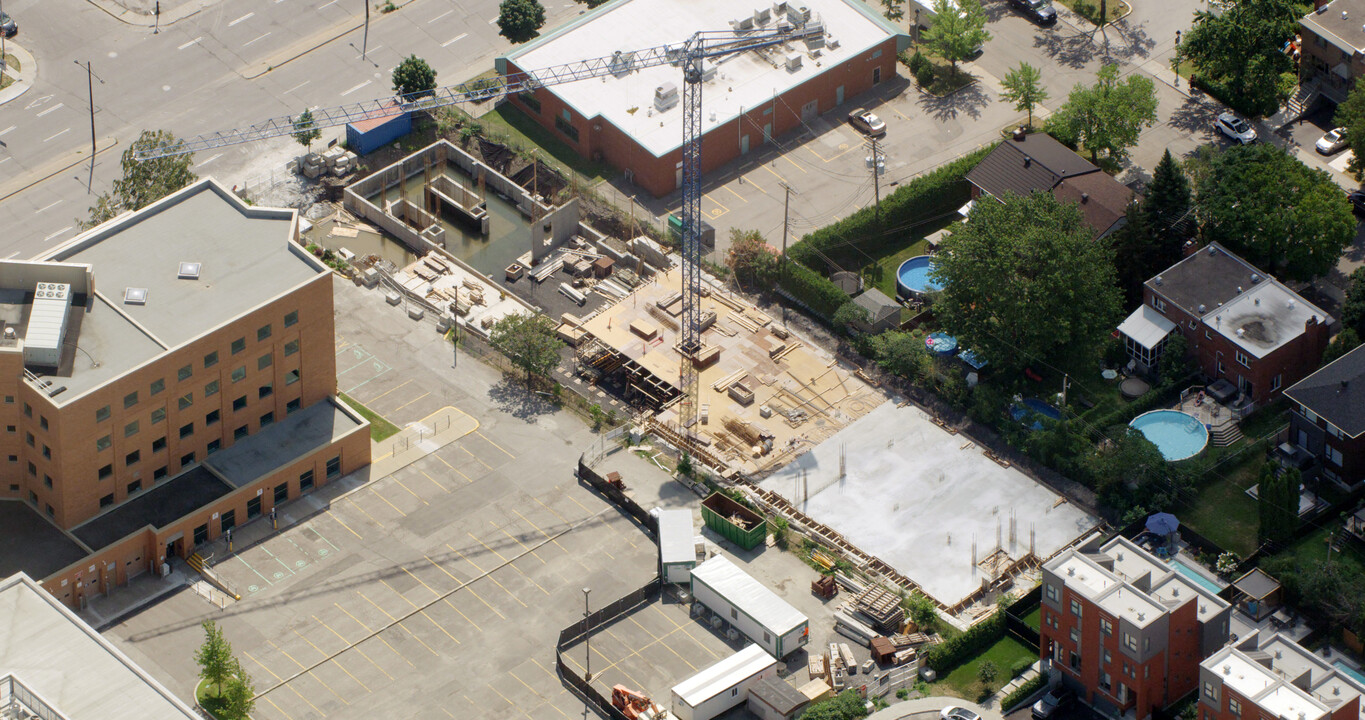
x: 1240, y: 323
x: 1274, y: 678
x: 1327, y: 419
x: 1124, y: 630
x: 633, y: 120
x: 1333, y: 48
x: 190, y: 391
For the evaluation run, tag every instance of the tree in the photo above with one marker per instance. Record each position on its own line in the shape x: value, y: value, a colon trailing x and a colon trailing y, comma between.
x: 1024, y: 87
x: 986, y: 672
x: 1345, y: 341
x: 215, y: 660
x: 847, y: 705
x: 895, y: 10
x: 143, y: 181
x: 1239, y: 47
x: 903, y: 354
x: 958, y: 30
x: 414, y: 78
x: 306, y: 130
x: 1135, y: 255
x: 1109, y: 115
x: 850, y: 315
x: 1278, y: 503
x: 1167, y: 211
x: 1351, y: 115
x: 520, y: 20
x: 1353, y: 309
x: 1126, y: 473
x: 239, y: 699
x: 921, y: 609
x: 1025, y: 282
x: 594, y: 3
x: 529, y: 341
x: 1278, y: 213
x: 1174, y: 362
x: 750, y: 258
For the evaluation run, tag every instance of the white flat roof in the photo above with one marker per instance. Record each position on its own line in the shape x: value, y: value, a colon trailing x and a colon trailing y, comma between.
x: 676, y: 533
x: 748, y: 595
x: 1131, y: 604
x: 74, y: 669
x: 1287, y: 701
x: 745, y: 80
x: 1081, y: 574
x: 723, y: 675
x: 1146, y: 326
x: 1269, y: 315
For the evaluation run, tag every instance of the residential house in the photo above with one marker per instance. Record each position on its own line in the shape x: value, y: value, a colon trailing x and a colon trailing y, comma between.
x: 1333, y: 48
x: 1327, y: 418
x: 1274, y: 677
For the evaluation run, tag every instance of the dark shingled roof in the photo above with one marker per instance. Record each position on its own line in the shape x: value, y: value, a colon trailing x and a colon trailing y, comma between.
x: 1103, y: 200
x: 1022, y: 166
x: 1209, y: 277
x: 1336, y: 392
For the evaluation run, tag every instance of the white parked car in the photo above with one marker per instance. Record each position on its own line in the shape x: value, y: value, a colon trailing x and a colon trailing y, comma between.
x: 1333, y: 142
x: 953, y: 712
x: 867, y: 122
x: 1235, y: 128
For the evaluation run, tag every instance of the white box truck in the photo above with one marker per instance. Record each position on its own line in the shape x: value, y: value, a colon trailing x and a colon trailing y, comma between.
x: 751, y: 608
x: 717, y: 688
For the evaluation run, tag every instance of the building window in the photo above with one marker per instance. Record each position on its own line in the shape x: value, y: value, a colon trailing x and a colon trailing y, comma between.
x: 28, y: 410
x: 240, y: 433
x: 1242, y: 358
x: 158, y: 415
x: 267, y: 419
x: 1076, y: 635
x: 158, y: 386
x: 306, y: 481
x: 159, y: 473
x: 531, y: 102
x: 214, y: 445
x: 42, y: 421
x: 100, y: 444
x: 132, y: 457
x: 47, y: 481
x: 186, y: 459
x: 1076, y: 662
x: 1159, y: 304
x: 265, y: 361
x: 211, y: 418
x: 129, y: 400
x: 186, y: 400
x: 1106, y: 627
x: 186, y: 430
x: 159, y: 444
x: 1275, y: 382
x: 565, y: 127
x: 1334, y: 431
x: 1334, y: 455
x: 291, y: 319
x: 281, y: 493
x: 228, y: 520
x: 211, y: 359
x: 253, y: 507
x: 47, y: 452
x: 134, y: 486
x: 291, y: 347
x: 292, y: 406
x: 1210, y: 692
x: 1106, y: 682
x: 102, y: 414
x: 265, y: 391
x: 130, y: 429
x: 201, y: 534
x: 334, y: 468
x: 238, y: 345
x: 211, y: 389
x: 239, y: 374
x: 1146, y: 644
x: 1108, y: 657
x: 107, y: 500
x: 1076, y: 608
x: 185, y: 372
x: 105, y: 471
x: 239, y: 403
x: 291, y: 377
x: 1130, y: 642
x: 263, y: 334
x: 1234, y: 706
x: 28, y: 438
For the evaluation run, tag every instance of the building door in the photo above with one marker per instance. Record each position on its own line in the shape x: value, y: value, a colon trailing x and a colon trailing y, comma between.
x: 677, y: 177
x: 743, y: 144
x: 1245, y: 385
x: 1303, y: 440
x: 767, y: 132
x: 839, y: 95
x: 812, y: 108
x: 876, y: 75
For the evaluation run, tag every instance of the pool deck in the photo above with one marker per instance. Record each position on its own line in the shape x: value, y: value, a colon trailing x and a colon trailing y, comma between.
x: 1210, y: 411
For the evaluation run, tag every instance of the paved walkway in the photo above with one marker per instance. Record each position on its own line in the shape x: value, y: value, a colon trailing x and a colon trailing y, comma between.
x: 910, y: 708
x: 24, y: 77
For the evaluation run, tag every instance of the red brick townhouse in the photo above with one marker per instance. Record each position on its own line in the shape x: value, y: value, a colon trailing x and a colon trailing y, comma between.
x: 1241, y: 324
x: 1327, y: 418
x: 1124, y: 630
x: 1274, y: 678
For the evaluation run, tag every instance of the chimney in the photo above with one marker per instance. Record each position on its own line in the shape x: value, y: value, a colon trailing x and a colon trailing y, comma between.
x: 1085, y: 198
x: 1027, y: 161
x: 1020, y: 134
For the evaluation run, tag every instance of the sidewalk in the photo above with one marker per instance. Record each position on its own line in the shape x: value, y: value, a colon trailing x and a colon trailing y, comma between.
x: 24, y: 77
x: 142, y: 13
x: 908, y: 708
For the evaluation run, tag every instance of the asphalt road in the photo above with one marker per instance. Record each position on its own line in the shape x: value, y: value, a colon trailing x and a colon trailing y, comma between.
x: 209, y: 71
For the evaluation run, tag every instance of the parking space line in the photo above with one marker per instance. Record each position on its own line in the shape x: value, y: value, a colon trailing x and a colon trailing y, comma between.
x: 433, y: 480
x: 405, y: 487
x: 363, y: 686
x: 313, y: 675
x: 357, y: 506
x: 419, y: 397
x: 552, y: 510
x: 348, y: 527
x: 386, y: 500
x: 415, y: 606
x: 798, y: 167
x: 335, y: 661
x: 277, y: 707
x: 316, y: 709
x: 528, y: 687
x: 348, y: 644
x: 272, y: 557
x: 476, y: 458
x: 686, y: 632
x: 732, y: 192
x: 419, y: 581
x: 376, y: 398
x: 378, y: 637
x: 367, y: 381
x: 324, y: 538
x: 514, y: 539
x: 470, y: 588
x: 447, y: 600
x: 252, y: 658
x: 656, y: 639
x: 774, y: 173
x: 252, y: 569
x: 452, y: 467
x: 542, y: 532
x: 490, y: 442
x: 397, y: 624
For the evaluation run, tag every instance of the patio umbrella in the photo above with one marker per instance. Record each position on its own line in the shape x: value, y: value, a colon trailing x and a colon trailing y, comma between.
x: 1162, y: 523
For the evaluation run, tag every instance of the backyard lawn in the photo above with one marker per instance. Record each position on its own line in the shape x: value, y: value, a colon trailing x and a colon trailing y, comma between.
x: 519, y: 129
x: 1007, y: 654
x: 1035, y: 618
x: 1314, y: 548
x: 1222, y: 511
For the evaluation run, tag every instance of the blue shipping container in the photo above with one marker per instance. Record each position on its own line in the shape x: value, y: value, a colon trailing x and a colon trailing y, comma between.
x: 366, y: 136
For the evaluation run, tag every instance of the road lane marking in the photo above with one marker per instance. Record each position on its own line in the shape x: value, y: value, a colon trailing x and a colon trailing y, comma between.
x: 243, y: 18
x: 7, y: 130
x: 438, y: 17
x: 48, y: 207
x: 248, y: 42
x: 327, y: 5
x: 58, y: 135
x: 419, y: 397
x: 357, y: 87
x: 296, y: 87
x: 455, y: 39
x: 59, y: 232
x: 206, y: 162
x: 54, y: 107
x: 192, y: 42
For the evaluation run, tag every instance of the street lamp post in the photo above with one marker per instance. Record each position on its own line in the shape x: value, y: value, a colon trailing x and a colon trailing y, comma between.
x: 90, y: 86
x: 916, y: 28
x: 587, y: 639
x: 157, y: 14
x: 1177, y: 58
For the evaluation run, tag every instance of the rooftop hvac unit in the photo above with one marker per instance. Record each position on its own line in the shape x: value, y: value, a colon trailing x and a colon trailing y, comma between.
x: 779, y: 9
x: 665, y: 96
x: 762, y: 16
x: 817, y: 40
x: 793, y: 62
x: 47, y: 324
x: 798, y: 15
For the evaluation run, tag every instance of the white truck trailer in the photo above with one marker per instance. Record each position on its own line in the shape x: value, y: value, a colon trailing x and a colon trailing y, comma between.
x: 750, y: 607
x: 677, y: 545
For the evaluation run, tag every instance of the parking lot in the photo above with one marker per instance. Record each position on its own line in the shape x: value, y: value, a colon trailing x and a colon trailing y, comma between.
x: 440, y: 588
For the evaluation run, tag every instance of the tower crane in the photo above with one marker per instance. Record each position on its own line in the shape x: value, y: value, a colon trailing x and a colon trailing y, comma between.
x: 690, y: 55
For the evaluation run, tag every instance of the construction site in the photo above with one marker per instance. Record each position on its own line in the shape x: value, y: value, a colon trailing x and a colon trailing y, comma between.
x: 765, y: 396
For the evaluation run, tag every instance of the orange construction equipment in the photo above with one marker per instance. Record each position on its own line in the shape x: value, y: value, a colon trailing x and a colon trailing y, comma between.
x: 634, y: 704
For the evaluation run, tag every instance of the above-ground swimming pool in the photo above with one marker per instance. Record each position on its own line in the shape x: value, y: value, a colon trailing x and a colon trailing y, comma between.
x: 912, y: 277
x: 1176, y: 434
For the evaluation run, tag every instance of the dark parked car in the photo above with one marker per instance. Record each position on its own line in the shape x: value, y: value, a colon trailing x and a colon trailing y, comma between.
x: 1049, y: 704
x: 1357, y: 198
x: 1040, y: 11
x: 7, y: 25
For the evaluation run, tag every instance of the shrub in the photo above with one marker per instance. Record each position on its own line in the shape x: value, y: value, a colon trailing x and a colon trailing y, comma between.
x: 953, y: 652
x: 813, y: 290
x: 1023, y: 692
x: 924, y: 76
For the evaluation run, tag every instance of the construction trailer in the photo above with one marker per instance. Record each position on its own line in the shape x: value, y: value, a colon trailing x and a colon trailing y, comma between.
x: 723, y: 685
x: 733, y: 521
x: 749, y: 607
x: 677, y: 545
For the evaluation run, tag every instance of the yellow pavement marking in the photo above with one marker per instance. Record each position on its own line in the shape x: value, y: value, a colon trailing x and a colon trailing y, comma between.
x: 579, y: 504
x: 374, y: 399
x: 642, y: 627
x: 386, y: 501
x: 357, y: 506
x: 476, y: 458
x: 310, y: 702
x: 542, y: 532
x: 433, y: 480
x: 400, y: 407
x: 515, y: 540
x: 598, y: 673
x: 536, y: 692
x: 399, y: 624
x: 514, y: 567
x: 798, y: 167
x: 336, y: 517
x: 750, y: 181
x: 470, y: 588
x: 447, y: 712
x: 335, y: 661
x: 312, y: 674
x: 322, y: 652
x: 405, y: 487
x: 452, y: 467
x: 774, y: 173
x: 357, y: 648
x: 685, y: 631
x: 509, y: 702
x: 490, y: 442
x: 898, y: 112
x: 552, y: 510
x: 415, y: 606
x: 732, y: 192
x: 277, y: 707
x: 448, y: 602
x: 252, y: 658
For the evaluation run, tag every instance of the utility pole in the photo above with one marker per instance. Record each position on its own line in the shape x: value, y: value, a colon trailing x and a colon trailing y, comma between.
x: 878, y: 165
x: 90, y: 79
x: 157, y: 14
x: 786, y: 203
x: 1177, y: 58
x: 365, y: 42
x: 587, y: 640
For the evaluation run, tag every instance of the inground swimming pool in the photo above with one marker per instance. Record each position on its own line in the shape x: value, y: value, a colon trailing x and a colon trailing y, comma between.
x: 1196, y: 577
x: 912, y: 277
x: 1176, y: 434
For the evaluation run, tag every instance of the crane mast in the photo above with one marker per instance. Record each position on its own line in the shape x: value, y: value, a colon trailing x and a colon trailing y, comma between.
x: 690, y: 55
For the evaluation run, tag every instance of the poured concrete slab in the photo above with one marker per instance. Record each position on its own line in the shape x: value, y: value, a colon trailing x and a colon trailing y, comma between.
x: 914, y: 496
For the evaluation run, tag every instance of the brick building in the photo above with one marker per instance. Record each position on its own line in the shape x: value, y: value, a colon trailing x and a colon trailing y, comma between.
x: 1269, y: 678
x: 1240, y: 323
x: 191, y: 390
x: 633, y: 120
x: 1333, y: 48
x: 1327, y: 419
x: 1124, y: 630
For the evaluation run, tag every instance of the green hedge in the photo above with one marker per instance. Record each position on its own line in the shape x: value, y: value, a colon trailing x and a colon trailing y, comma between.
x: 814, y: 290
x: 1154, y: 399
x: 930, y: 195
x: 949, y: 654
x: 1023, y: 692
